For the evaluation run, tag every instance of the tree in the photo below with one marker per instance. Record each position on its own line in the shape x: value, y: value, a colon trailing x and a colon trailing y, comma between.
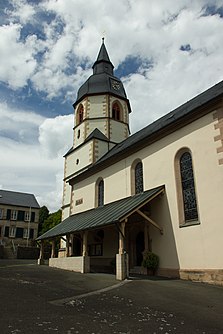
x: 52, y: 220
x: 43, y: 215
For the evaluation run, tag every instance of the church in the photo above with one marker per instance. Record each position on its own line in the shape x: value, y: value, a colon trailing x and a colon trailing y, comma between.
x: 158, y: 190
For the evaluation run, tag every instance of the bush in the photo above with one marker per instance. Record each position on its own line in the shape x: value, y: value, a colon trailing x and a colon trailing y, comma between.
x: 151, y: 262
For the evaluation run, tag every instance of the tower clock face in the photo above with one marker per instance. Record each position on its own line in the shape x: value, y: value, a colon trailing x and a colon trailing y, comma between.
x: 115, y: 85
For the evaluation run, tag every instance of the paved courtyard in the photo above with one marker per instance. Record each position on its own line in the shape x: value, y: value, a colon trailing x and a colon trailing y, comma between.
x: 39, y: 299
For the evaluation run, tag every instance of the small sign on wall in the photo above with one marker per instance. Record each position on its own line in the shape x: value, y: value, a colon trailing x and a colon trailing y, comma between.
x: 79, y: 201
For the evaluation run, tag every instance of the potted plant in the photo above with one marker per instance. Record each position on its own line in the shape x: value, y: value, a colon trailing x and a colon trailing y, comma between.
x: 151, y: 262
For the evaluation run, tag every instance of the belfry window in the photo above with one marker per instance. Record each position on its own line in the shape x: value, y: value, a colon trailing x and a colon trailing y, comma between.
x: 116, y: 112
x: 188, y: 187
x: 80, y: 114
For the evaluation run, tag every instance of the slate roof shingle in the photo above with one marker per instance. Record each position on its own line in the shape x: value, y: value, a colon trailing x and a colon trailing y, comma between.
x: 15, y: 198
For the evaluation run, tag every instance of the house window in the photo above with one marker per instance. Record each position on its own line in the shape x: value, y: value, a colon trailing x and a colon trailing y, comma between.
x: 1, y: 213
x: 80, y: 114
x: 25, y: 233
x: 116, y: 111
x: 12, y: 232
x: 27, y: 216
x: 14, y: 215
x: 138, y: 178
x: 101, y: 193
x: 187, y: 201
x: 95, y: 250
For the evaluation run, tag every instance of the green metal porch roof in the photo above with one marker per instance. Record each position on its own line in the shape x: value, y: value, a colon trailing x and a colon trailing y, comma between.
x: 105, y: 215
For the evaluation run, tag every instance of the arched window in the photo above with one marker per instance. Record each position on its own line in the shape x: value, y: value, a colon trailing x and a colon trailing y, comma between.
x: 116, y: 111
x: 187, y: 201
x: 80, y: 114
x: 138, y: 178
x: 100, y: 192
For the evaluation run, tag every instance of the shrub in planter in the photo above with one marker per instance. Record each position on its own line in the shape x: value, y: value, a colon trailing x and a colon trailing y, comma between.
x: 151, y: 262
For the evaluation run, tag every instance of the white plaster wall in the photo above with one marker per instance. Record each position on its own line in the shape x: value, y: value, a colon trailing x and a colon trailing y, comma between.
x: 83, y: 155
x: 101, y: 148
x: 80, y: 140
x: 96, y: 104
x: 86, y: 191
x: 66, y: 193
x: 100, y: 124
x: 195, y: 246
x: 118, y: 131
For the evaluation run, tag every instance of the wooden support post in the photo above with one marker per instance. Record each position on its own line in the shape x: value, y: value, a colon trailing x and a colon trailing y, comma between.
x: 53, y: 250
x: 41, y: 254
x: 121, y: 238
x: 67, y: 245
x: 146, y: 237
x: 122, y: 264
x: 84, y: 251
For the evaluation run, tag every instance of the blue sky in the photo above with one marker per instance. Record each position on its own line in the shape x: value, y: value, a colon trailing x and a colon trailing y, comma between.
x: 164, y: 52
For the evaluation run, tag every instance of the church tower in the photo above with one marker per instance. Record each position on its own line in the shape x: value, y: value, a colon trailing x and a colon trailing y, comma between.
x: 101, y: 120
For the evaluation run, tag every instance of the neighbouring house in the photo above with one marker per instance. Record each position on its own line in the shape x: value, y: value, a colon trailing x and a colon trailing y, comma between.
x: 160, y: 189
x: 19, y: 219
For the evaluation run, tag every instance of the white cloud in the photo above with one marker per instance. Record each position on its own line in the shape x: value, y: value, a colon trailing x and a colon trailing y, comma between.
x: 35, y: 165
x: 21, y: 126
x: 23, y: 11
x: 55, y: 134
x: 16, y: 58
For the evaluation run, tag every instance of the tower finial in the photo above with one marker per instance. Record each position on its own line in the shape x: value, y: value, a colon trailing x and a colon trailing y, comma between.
x: 103, y: 39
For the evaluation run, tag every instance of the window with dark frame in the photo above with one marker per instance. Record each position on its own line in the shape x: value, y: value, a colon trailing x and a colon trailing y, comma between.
x: 116, y: 113
x: 188, y: 187
x: 80, y: 114
x: 14, y: 214
x: 101, y: 193
x: 95, y: 250
x: 138, y: 178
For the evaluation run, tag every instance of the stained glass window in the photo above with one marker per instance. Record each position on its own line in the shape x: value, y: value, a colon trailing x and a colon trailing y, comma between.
x: 188, y: 187
x: 101, y: 193
x: 138, y: 178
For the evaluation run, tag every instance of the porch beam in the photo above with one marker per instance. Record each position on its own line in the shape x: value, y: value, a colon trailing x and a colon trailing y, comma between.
x: 150, y: 220
x: 141, y: 205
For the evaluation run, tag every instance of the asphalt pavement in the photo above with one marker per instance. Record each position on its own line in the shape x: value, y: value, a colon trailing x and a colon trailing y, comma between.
x: 38, y: 299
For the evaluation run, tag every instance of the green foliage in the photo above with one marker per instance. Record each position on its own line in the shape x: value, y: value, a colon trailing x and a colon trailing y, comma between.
x: 151, y: 261
x: 43, y: 215
x: 52, y: 220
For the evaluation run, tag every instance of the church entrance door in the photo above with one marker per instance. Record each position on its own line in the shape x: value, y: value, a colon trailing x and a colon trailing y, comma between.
x: 140, y: 246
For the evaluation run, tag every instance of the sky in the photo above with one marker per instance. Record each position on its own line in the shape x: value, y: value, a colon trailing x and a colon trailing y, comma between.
x: 165, y: 52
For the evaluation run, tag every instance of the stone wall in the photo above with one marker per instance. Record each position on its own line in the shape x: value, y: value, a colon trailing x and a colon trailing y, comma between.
x: 79, y: 264
x: 210, y: 276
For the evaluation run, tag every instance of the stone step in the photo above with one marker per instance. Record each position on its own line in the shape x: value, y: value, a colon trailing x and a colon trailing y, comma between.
x: 138, y: 270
